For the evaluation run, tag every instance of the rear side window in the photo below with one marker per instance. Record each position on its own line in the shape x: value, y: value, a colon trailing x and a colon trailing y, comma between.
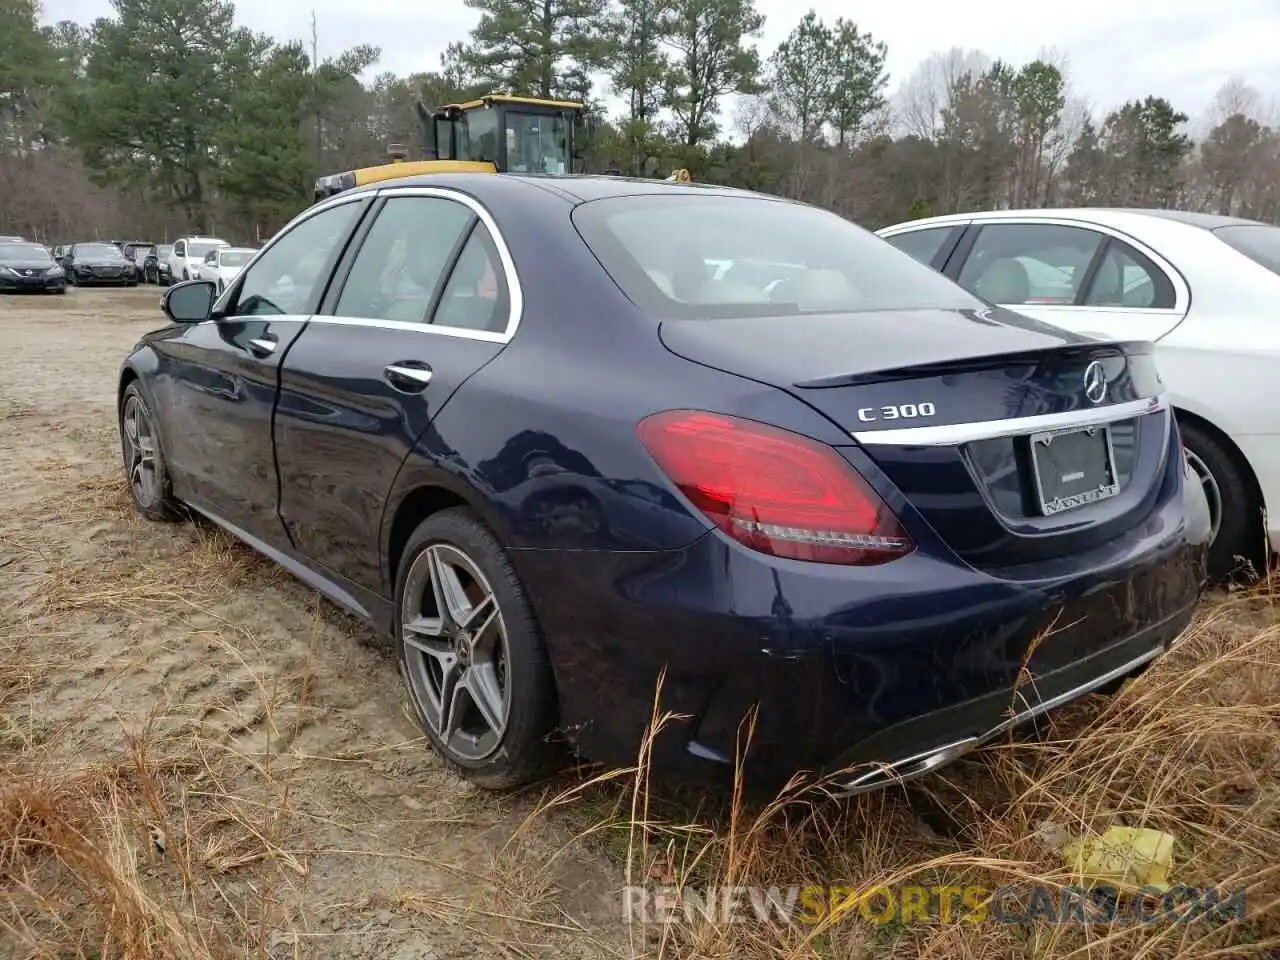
x: 475, y: 298
x: 923, y: 245
x: 400, y: 264
x: 689, y: 256
x: 1029, y: 263
x: 1126, y: 278
x: 1260, y: 243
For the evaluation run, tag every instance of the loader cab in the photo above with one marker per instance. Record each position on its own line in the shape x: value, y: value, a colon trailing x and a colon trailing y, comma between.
x: 515, y: 134
x: 496, y: 133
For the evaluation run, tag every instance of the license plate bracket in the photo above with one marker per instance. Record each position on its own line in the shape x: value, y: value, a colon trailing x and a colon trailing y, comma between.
x: 1073, y: 468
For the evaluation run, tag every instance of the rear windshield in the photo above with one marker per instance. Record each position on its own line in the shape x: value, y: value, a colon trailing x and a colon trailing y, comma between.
x: 692, y: 257
x: 20, y: 252
x: 1260, y: 243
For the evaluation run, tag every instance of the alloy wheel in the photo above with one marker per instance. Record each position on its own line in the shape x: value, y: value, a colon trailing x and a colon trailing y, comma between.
x: 456, y: 652
x: 140, y: 452
x: 1212, y: 493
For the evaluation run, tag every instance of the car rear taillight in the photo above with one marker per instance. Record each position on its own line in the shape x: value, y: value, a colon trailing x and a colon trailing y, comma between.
x: 773, y: 490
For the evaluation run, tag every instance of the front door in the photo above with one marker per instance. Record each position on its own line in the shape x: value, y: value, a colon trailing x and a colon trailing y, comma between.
x: 420, y: 304
x: 223, y: 374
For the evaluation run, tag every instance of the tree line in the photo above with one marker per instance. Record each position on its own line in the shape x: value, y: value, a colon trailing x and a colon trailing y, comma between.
x: 168, y: 117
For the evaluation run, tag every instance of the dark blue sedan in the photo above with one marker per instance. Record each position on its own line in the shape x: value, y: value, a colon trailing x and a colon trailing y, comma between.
x: 563, y: 438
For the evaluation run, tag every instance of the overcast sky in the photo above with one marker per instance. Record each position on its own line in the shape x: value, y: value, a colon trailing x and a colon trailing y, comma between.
x: 1118, y: 49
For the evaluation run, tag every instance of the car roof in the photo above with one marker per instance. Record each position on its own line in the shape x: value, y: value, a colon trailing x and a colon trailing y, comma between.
x: 573, y: 188
x: 1108, y: 216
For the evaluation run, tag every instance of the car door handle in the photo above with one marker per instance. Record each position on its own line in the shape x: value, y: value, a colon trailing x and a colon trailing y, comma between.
x: 408, y: 376
x: 263, y: 346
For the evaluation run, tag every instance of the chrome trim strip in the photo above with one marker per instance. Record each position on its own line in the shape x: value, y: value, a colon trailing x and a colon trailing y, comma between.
x: 958, y: 433
x: 410, y: 326
x: 921, y: 763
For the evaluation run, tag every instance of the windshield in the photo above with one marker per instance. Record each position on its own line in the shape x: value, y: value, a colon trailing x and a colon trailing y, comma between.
x: 164, y: 250
x: 235, y: 258
x: 683, y: 256
x: 97, y: 250
x: 23, y: 252
x: 1260, y: 243
x: 200, y: 250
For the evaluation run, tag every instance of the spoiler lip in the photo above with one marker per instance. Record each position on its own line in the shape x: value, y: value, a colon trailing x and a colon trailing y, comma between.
x: 1128, y: 348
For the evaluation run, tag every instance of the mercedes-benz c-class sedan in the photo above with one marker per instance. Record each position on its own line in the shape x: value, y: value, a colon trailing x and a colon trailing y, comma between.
x: 570, y: 439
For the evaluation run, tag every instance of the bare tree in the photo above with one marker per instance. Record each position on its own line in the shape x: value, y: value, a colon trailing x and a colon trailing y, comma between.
x: 928, y: 91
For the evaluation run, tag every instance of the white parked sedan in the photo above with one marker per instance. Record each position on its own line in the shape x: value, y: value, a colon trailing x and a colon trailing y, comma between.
x: 1205, y: 288
x: 222, y: 265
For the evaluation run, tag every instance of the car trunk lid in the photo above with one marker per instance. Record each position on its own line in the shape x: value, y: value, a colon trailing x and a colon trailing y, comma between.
x: 1014, y: 441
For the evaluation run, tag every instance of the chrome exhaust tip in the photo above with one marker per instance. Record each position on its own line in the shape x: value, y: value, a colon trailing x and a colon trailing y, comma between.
x: 908, y: 768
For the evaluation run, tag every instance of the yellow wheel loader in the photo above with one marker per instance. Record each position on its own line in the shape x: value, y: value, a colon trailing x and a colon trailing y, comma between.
x: 496, y: 133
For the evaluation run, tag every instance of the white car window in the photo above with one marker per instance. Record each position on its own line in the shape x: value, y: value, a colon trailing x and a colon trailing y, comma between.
x: 1014, y: 263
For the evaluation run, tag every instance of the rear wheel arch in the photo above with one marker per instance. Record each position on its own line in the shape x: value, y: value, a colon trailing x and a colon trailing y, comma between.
x: 414, y: 507
x: 1241, y: 461
x: 1220, y: 446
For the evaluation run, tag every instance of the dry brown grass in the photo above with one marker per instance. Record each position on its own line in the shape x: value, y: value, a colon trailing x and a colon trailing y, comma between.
x: 1191, y: 747
x: 166, y: 841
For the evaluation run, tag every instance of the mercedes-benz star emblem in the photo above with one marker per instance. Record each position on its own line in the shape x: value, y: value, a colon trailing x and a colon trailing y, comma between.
x: 1095, y: 382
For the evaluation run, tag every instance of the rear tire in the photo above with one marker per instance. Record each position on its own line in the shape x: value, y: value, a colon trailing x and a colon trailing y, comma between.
x: 1233, y: 505
x: 504, y: 659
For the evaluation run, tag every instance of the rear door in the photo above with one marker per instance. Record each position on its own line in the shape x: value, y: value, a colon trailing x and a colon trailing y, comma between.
x: 217, y: 380
x: 1082, y: 277
x: 421, y: 302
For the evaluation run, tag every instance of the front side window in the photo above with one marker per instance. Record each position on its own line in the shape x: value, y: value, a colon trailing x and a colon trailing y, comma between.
x: 922, y: 244
x: 689, y: 256
x: 395, y: 274
x: 285, y: 279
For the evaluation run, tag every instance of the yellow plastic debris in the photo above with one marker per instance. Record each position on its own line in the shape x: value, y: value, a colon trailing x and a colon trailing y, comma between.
x: 1122, y: 856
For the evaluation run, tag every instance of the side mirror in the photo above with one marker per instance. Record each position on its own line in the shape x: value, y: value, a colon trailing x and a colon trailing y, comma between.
x: 190, y: 301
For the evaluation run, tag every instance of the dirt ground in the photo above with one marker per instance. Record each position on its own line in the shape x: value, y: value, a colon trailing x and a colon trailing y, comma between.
x: 199, y: 759
x: 364, y: 840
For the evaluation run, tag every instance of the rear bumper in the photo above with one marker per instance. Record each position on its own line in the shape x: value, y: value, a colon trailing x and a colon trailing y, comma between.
x: 843, y: 666
x: 958, y: 730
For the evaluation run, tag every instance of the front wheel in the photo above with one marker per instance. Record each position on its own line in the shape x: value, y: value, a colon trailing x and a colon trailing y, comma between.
x: 1234, y: 515
x: 144, y: 463
x: 475, y: 667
